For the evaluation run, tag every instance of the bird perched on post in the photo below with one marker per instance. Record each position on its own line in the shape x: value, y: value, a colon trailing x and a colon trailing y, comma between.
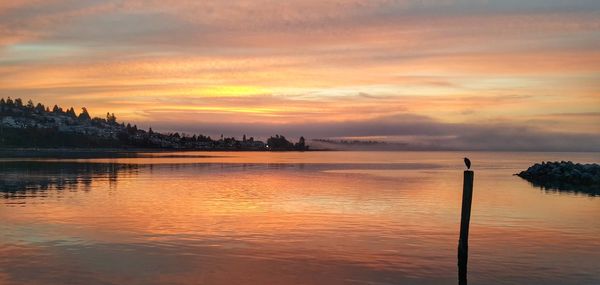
x: 468, y: 163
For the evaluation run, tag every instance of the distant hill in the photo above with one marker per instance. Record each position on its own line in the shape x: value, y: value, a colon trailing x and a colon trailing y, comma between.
x: 33, y: 125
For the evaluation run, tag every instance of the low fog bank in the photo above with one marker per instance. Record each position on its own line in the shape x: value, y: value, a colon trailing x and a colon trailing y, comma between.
x: 406, y: 132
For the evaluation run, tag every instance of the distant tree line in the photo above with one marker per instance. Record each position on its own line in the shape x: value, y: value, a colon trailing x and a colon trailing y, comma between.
x: 279, y: 142
x: 36, y: 125
x: 16, y: 107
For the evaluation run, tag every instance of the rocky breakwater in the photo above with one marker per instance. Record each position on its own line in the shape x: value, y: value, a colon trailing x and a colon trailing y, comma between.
x: 565, y: 175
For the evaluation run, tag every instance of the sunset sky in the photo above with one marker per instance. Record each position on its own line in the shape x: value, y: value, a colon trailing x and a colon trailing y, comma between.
x: 503, y: 74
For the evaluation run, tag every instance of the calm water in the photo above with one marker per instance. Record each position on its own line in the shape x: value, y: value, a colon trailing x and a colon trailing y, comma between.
x: 291, y: 218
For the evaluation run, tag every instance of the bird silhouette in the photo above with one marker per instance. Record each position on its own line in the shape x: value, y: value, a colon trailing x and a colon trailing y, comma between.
x: 468, y: 163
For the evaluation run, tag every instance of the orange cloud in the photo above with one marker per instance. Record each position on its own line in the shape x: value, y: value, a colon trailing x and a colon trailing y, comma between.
x: 306, y: 61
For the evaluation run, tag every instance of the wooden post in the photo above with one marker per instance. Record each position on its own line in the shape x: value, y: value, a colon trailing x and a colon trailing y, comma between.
x: 465, y: 217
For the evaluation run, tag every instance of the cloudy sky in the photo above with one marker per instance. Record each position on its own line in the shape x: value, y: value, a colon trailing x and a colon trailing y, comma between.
x: 506, y: 74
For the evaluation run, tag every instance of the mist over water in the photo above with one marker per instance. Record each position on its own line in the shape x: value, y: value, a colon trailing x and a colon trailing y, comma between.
x: 291, y: 218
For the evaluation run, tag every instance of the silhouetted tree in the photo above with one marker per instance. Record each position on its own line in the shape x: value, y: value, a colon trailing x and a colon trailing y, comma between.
x: 84, y: 114
x: 40, y: 108
x: 71, y: 113
x: 129, y: 128
x: 110, y: 118
x: 301, y: 144
x: 279, y: 143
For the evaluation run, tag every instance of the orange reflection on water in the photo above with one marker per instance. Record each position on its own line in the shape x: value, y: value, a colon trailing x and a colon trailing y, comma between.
x: 289, y: 220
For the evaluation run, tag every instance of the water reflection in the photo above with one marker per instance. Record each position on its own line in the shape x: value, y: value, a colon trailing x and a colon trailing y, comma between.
x: 22, y: 179
x: 287, y: 221
x: 562, y: 188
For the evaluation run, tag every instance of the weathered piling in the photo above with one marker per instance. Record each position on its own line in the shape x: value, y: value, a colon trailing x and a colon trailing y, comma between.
x: 465, y: 217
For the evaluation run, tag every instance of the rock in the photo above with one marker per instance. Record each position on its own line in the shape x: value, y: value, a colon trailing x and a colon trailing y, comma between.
x: 565, y: 175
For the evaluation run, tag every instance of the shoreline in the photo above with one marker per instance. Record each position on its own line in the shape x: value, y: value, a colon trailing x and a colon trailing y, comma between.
x: 68, y: 152
x: 112, y: 152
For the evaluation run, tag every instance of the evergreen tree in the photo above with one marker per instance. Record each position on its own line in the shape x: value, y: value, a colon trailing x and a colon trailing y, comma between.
x: 84, y: 114
x: 18, y: 103
x: 71, y: 113
x: 40, y: 108
x: 301, y: 144
x: 110, y: 118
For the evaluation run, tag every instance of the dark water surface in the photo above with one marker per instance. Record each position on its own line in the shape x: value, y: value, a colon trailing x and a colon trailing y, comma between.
x: 291, y: 218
